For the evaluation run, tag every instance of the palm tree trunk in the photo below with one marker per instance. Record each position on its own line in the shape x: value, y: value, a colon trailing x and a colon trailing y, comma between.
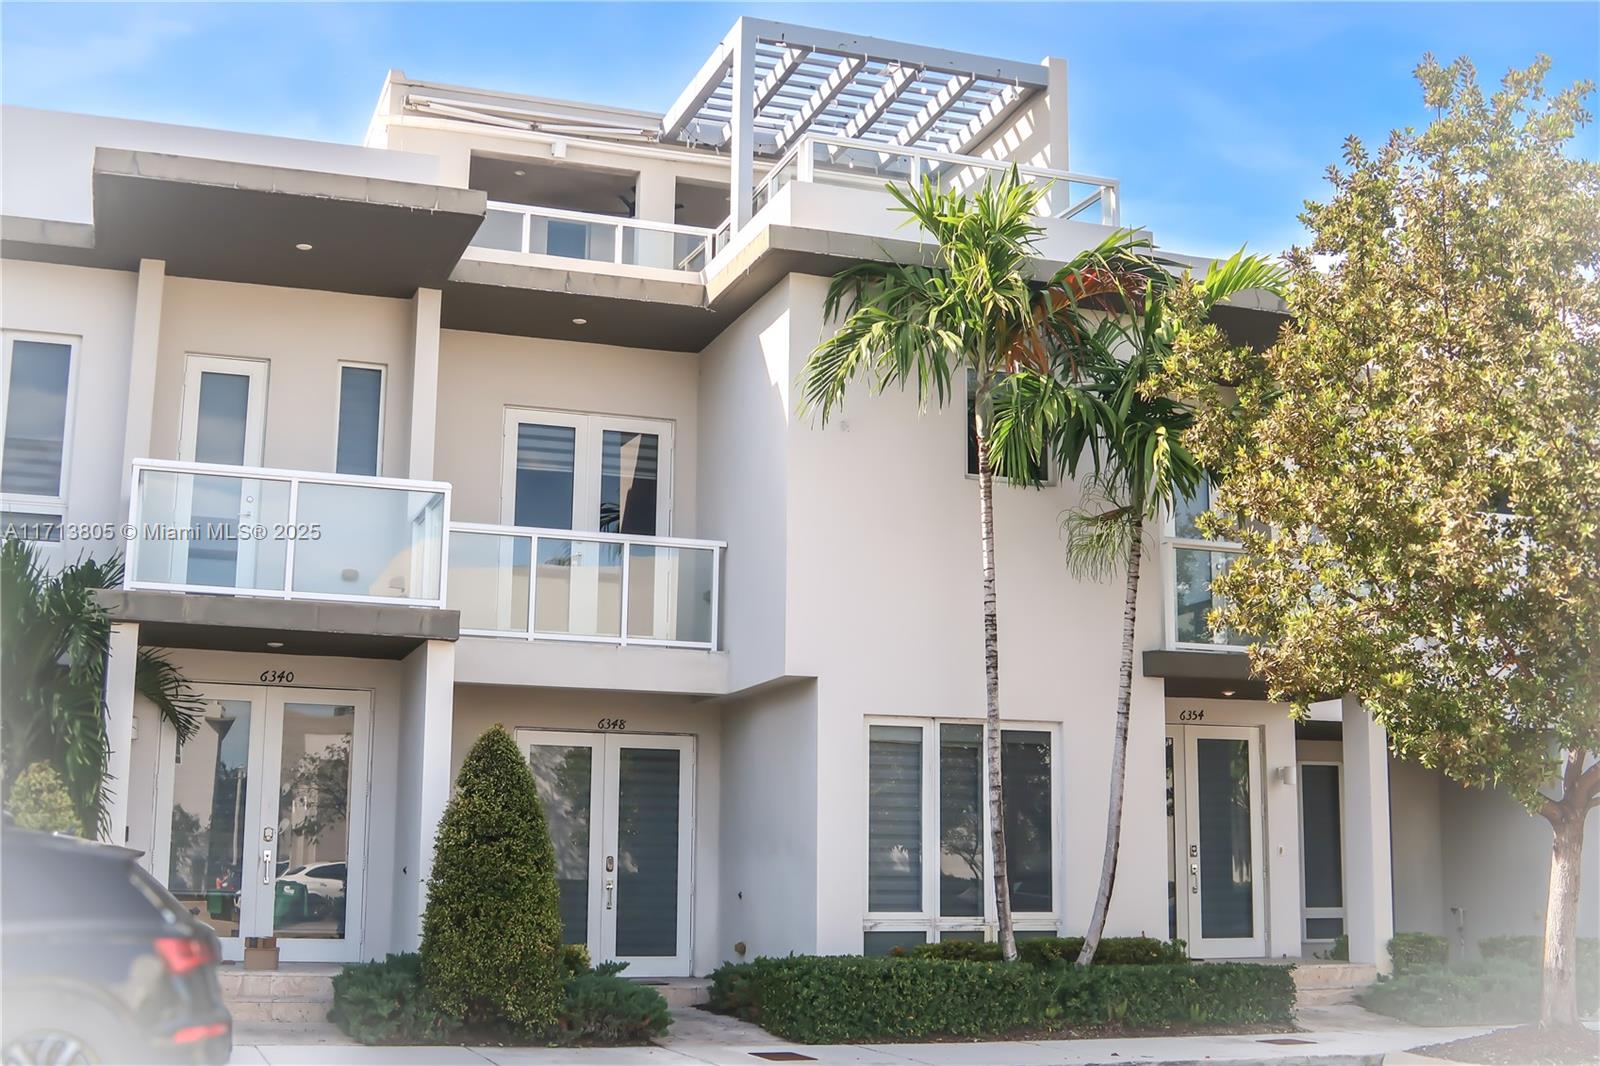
x: 1119, y: 754
x: 991, y: 679
x: 1558, y: 1005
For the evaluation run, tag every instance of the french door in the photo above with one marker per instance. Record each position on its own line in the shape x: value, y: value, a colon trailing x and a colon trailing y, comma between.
x: 223, y: 422
x: 1215, y: 829
x: 620, y: 811
x: 265, y: 818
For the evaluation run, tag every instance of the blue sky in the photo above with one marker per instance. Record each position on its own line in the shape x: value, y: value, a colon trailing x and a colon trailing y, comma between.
x: 1219, y: 119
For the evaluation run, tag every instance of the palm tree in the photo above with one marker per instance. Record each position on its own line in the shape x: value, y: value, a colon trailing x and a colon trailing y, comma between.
x: 1102, y: 396
x: 54, y: 637
x: 976, y: 311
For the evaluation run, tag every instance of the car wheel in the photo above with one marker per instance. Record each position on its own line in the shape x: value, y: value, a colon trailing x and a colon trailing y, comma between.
x: 48, y: 1047
x: 50, y: 1036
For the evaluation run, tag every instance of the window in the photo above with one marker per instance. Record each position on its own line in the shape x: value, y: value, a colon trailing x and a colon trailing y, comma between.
x: 601, y: 473
x: 359, y: 447
x: 1041, y: 470
x: 927, y: 831
x: 1195, y: 561
x: 37, y: 374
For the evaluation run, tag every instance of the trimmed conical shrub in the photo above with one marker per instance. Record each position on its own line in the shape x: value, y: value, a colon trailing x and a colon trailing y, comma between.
x: 491, y: 934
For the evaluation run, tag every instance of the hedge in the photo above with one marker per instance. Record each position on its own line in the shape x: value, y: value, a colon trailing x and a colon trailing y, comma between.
x: 1411, y: 952
x: 849, y: 999
x: 1048, y: 950
x: 1501, y: 989
x: 1530, y: 949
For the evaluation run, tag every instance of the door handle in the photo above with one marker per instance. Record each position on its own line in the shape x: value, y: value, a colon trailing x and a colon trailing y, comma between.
x: 611, y: 885
x: 1194, y: 878
x: 266, y: 866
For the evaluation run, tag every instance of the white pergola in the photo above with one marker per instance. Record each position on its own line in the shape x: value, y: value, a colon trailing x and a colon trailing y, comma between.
x: 770, y: 83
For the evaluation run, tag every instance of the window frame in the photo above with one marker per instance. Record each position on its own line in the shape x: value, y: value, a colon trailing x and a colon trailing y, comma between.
x: 1171, y: 544
x: 589, y: 429
x: 33, y: 502
x: 338, y: 410
x: 928, y: 920
x: 1049, y: 480
x: 1308, y: 912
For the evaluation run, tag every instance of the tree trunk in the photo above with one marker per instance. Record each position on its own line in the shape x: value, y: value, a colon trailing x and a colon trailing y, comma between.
x: 1119, y: 754
x: 1558, y: 1004
x: 991, y: 687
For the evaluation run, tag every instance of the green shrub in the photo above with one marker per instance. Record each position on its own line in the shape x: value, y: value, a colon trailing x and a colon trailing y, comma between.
x: 851, y: 999
x: 491, y: 934
x: 1048, y: 950
x: 575, y: 959
x: 1530, y: 949
x: 1418, y: 951
x: 1487, y: 993
x: 602, y: 1008
x: 385, y: 1003
x: 39, y: 800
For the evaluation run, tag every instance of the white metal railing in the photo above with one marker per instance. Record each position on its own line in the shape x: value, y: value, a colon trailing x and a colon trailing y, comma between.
x: 846, y: 161
x: 563, y: 584
x: 526, y: 228
x: 287, y: 534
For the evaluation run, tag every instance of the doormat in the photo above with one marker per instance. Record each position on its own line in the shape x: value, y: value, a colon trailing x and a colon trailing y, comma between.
x: 782, y: 1056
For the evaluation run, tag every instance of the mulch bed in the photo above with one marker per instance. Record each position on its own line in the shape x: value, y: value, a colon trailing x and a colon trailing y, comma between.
x: 1524, y: 1045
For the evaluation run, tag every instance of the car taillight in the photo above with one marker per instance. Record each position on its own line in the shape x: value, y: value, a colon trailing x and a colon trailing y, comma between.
x: 195, y: 1033
x: 182, y: 953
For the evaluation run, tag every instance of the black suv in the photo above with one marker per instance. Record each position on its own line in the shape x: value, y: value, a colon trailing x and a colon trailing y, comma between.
x: 99, y: 963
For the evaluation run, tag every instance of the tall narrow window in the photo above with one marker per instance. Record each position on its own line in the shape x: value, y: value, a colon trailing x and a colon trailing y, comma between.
x: 1025, y: 780
x: 628, y: 489
x: 961, y: 826
x: 38, y: 373
x: 894, y: 819
x: 360, y: 437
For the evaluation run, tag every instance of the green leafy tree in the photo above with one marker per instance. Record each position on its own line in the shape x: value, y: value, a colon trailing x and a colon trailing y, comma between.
x: 978, y: 310
x: 1424, y: 442
x: 40, y: 801
x: 53, y: 641
x: 491, y: 933
x: 1102, y: 399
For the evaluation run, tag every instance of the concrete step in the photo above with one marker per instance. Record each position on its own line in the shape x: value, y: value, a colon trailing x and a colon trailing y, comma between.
x: 1334, y: 974
x: 680, y: 991
x: 292, y: 1011
x: 1324, y: 997
x: 297, y: 994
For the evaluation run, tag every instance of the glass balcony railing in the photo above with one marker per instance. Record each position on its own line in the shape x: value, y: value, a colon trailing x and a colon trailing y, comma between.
x: 198, y: 527
x: 509, y: 227
x: 831, y: 160
x: 569, y: 585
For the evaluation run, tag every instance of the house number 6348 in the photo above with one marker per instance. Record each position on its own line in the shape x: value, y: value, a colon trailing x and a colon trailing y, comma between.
x: 612, y: 724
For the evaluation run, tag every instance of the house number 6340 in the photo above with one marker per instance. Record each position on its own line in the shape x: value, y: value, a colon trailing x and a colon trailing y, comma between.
x: 612, y: 724
x: 277, y: 677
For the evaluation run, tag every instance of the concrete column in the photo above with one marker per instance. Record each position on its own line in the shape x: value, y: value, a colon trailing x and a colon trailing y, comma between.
x: 122, y: 656
x: 425, y: 740
x: 1056, y: 113
x: 656, y: 199
x: 142, y: 370
x: 424, y: 383
x: 1368, y: 873
x: 742, y: 184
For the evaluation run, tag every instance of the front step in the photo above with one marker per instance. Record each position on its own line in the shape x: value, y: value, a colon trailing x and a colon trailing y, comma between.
x: 1321, y: 984
x: 680, y: 991
x: 297, y: 995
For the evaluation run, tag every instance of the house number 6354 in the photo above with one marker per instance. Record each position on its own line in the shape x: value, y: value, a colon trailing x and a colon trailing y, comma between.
x: 612, y: 724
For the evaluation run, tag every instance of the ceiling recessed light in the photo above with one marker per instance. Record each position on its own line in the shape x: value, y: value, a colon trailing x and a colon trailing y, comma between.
x: 274, y: 643
x: 580, y: 322
x: 1228, y: 691
x: 520, y: 173
x: 303, y: 246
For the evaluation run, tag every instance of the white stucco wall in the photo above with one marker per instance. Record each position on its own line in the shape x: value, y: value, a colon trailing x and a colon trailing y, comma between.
x: 1416, y: 833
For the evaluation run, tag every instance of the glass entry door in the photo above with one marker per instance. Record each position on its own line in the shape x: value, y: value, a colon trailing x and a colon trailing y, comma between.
x: 1216, y: 839
x: 223, y: 422
x: 620, y: 810
x: 266, y: 819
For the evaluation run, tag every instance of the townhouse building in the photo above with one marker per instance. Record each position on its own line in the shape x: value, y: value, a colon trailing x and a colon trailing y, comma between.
x: 492, y: 419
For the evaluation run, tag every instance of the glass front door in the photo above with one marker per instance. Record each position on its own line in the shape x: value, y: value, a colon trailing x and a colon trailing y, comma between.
x: 1216, y: 869
x: 619, y: 808
x: 266, y: 811
x: 224, y: 409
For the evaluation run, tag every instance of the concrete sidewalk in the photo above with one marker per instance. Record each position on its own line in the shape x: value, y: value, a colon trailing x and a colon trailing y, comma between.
x: 1331, y: 1036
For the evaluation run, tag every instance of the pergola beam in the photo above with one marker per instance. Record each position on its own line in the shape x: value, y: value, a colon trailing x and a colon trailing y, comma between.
x: 923, y: 120
x: 983, y: 123
x: 788, y: 63
x: 821, y: 97
x: 874, y: 109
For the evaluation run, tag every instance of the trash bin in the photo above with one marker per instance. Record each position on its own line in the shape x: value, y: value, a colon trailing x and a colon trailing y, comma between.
x: 217, y: 903
x: 289, y: 904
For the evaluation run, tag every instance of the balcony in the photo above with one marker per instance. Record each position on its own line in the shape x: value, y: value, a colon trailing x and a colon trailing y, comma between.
x: 610, y: 588
x: 524, y: 229
x: 283, y: 534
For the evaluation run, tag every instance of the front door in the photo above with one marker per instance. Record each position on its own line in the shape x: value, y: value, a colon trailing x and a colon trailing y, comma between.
x: 620, y: 809
x: 1215, y: 832
x: 224, y: 415
x: 266, y: 819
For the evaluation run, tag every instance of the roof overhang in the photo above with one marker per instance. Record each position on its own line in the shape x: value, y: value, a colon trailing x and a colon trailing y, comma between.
x: 1205, y: 674
x: 241, y: 222
x: 810, y: 80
